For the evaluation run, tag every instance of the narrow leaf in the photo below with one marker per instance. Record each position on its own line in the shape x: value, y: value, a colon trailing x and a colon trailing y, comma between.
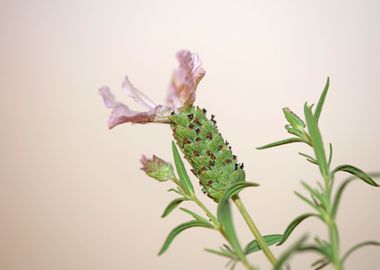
x: 306, y: 200
x: 354, y: 248
x: 195, y: 215
x: 295, y: 222
x: 330, y: 154
x: 356, y: 172
x: 222, y: 252
x: 177, y: 230
x: 288, y: 253
x: 225, y: 218
x: 286, y: 141
x: 171, y: 206
x: 308, y: 158
x: 338, y: 196
x: 236, y: 188
x: 316, y: 140
x: 321, y: 101
x: 320, y: 263
x: 270, y: 240
x: 183, y: 176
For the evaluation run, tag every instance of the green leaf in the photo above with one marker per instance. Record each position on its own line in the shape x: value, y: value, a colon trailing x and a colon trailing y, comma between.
x: 286, y: 141
x: 320, y: 263
x: 338, y: 196
x: 308, y: 158
x: 330, y: 154
x: 354, y: 248
x: 195, y: 215
x: 225, y: 218
x: 171, y: 206
x: 222, y: 252
x: 295, y: 222
x: 293, y: 119
x: 177, y: 230
x: 306, y: 200
x: 316, y: 140
x: 321, y: 101
x: 270, y: 240
x: 183, y: 176
x: 236, y: 188
x: 289, y: 252
x: 356, y: 172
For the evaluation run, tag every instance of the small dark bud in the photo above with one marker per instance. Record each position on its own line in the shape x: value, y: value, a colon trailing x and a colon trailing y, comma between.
x: 196, y: 153
x: 198, y: 139
x: 197, y: 130
x: 209, y: 136
x: 191, y: 126
x: 186, y: 141
x: 220, y: 147
x: 204, y: 110
x: 190, y: 116
x: 242, y: 166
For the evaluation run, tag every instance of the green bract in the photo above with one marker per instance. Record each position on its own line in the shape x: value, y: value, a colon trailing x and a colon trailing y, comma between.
x: 208, y: 153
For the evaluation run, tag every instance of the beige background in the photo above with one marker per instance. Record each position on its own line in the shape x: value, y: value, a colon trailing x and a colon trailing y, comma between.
x: 72, y: 196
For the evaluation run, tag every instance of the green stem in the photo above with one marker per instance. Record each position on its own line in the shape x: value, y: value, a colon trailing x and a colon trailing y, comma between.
x: 218, y: 227
x: 213, y: 218
x: 260, y: 240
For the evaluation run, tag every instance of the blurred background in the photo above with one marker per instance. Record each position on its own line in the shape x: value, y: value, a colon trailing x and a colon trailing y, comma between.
x: 71, y: 192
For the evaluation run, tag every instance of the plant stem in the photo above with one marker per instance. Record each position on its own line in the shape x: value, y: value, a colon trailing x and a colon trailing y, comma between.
x: 260, y: 241
x: 218, y: 227
x: 213, y: 219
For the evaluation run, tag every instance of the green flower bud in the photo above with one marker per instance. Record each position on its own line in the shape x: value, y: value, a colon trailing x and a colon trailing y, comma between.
x: 294, y: 120
x: 208, y: 153
x: 157, y: 168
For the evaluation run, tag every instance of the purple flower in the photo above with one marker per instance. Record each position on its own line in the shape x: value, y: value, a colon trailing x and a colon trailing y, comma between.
x: 181, y: 95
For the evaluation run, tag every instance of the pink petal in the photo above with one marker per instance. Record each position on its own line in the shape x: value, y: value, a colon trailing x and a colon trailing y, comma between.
x: 108, y: 98
x: 122, y: 114
x: 137, y: 95
x: 181, y: 92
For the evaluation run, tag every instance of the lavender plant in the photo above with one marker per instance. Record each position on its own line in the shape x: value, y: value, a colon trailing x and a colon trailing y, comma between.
x: 324, y: 198
x: 220, y: 174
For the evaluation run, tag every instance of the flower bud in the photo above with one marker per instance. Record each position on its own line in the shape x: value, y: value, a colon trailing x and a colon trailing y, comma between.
x: 157, y: 168
x: 209, y: 155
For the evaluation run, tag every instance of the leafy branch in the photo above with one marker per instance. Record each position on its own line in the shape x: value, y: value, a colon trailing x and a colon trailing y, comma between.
x: 322, y: 199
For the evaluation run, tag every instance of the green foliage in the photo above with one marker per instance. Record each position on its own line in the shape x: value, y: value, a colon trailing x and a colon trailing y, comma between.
x: 195, y: 215
x: 270, y: 240
x: 316, y: 140
x: 183, y: 176
x: 225, y: 218
x: 278, y: 143
x: 356, y: 172
x: 172, y: 205
x: 285, y: 256
x: 358, y: 246
x: 321, y: 101
x: 294, y: 120
x: 177, y: 230
x: 292, y: 225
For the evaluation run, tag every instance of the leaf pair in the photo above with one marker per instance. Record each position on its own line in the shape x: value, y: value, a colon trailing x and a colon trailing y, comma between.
x: 225, y: 217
